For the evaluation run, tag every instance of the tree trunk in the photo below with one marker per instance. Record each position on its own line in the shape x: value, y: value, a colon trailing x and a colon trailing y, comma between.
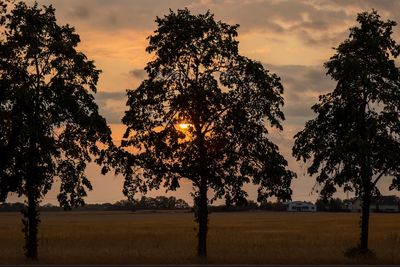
x: 202, y: 219
x: 31, y: 222
x: 366, y: 175
x: 366, y: 201
x: 202, y: 199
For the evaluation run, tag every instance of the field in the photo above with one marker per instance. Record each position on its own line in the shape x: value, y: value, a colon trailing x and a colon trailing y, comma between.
x: 246, y: 237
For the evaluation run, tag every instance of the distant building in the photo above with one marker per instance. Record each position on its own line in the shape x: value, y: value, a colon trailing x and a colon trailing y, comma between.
x: 382, y: 204
x: 301, y: 206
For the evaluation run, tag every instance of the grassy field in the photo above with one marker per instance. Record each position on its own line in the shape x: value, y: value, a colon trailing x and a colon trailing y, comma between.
x: 247, y: 237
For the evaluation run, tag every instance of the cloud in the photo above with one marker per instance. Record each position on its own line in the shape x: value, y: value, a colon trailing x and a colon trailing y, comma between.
x: 108, y: 15
x: 112, y: 105
x: 138, y: 73
x: 300, y: 79
x: 302, y: 86
x: 102, y: 96
x: 298, y: 111
x: 313, y: 21
x: 80, y: 12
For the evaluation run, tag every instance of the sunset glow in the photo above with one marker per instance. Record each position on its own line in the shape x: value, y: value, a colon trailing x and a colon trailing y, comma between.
x: 156, y: 124
x: 184, y: 126
x: 291, y: 38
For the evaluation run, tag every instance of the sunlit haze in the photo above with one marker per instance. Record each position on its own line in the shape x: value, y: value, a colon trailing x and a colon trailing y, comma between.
x: 184, y: 125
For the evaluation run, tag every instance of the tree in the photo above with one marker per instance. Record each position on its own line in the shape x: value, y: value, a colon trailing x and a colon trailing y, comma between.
x: 354, y: 141
x: 50, y: 125
x: 332, y: 204
x: 201, y: 115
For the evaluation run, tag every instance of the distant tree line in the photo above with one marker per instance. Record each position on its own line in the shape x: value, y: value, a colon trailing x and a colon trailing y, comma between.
x: 144, y: 203
x: 252, y: 205
x: 172, y: 203
x: 156, y: 203
x: 150, y: 203
x: 332, y: 205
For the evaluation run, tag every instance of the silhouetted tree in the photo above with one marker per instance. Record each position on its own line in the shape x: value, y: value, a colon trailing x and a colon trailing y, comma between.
x: 149, y: 203
x: 49, y: 122
x: 354, y: 140
x: 273, y: 206
x: 201, y: 115
x: 322, y: 204
x: 332, y: 204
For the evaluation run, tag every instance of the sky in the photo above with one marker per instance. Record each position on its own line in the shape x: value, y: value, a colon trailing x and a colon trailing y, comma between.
x: 291, y: 38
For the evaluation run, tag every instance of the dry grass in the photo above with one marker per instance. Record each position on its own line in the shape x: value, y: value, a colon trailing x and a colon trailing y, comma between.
x: 252, y: 238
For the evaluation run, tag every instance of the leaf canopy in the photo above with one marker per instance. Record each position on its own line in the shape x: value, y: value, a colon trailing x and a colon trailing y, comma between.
x: 225, y: 100
x: 49, y: 123
x: 355, y: 138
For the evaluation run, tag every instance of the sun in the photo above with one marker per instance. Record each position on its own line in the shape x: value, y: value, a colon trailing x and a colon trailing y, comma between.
x: 184, y: 126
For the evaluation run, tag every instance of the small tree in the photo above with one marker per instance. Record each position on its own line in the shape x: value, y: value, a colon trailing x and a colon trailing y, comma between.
x: 201, y: 115
x: 49, y: 122
x: 332, y: 204
x: 354, y: 141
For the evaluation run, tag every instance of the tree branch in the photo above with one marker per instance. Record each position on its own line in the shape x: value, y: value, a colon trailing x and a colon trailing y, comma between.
x: 378, y: 178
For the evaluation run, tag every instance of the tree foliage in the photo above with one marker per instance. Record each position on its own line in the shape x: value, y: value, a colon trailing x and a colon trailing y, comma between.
x: 201, y: 115
x: 50, y: 126
x: 355, y: 139
x: 332, y: 205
